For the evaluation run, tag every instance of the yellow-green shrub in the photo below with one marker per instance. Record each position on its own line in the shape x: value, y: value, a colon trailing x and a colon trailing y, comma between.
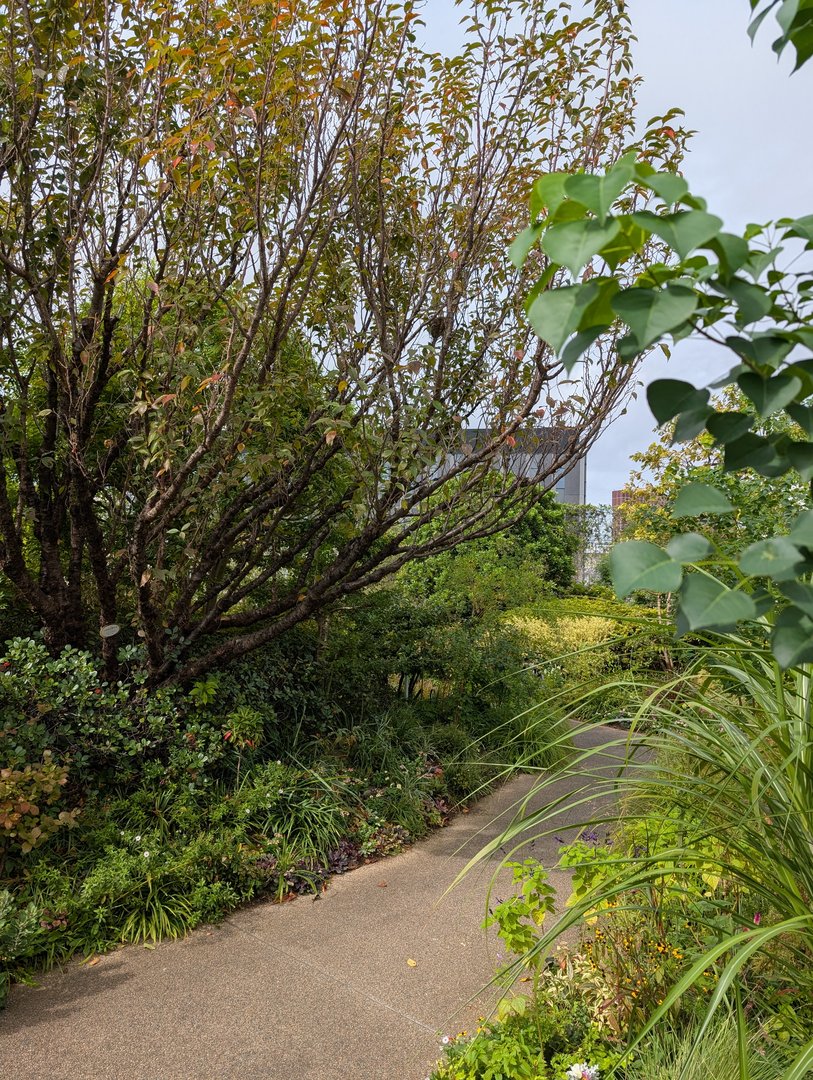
x: 578, y: 646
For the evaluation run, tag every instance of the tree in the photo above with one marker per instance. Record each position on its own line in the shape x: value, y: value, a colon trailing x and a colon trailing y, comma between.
x: 252, y: 288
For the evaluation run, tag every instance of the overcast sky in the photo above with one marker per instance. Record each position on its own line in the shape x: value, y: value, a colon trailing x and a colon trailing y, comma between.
x: 752, y: 156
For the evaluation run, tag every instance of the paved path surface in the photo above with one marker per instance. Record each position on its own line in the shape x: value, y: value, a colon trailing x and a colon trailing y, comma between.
x: 305, y: 990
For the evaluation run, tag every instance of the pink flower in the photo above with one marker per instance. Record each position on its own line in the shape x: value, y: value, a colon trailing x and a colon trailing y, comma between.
x: 757, y: 919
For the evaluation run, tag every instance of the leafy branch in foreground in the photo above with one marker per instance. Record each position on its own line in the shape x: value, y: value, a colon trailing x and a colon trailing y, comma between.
x: 734, y: 292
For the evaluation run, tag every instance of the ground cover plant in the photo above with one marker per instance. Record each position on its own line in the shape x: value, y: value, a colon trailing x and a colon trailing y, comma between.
x: 132, y: 814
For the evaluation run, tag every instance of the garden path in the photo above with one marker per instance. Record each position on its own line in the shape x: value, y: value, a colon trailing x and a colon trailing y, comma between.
x: 307, y: 990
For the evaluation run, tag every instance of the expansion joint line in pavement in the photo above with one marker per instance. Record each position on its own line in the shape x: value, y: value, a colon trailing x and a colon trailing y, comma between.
x: 302, y: 962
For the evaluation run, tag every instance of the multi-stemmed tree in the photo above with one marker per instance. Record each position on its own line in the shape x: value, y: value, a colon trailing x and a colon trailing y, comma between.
x: 254, y: 287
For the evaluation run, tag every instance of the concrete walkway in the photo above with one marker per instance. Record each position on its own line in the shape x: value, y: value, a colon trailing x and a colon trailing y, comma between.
x: 311, y: 990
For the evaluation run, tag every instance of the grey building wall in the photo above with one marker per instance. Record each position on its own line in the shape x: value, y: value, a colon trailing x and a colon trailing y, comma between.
x: 533, y: 453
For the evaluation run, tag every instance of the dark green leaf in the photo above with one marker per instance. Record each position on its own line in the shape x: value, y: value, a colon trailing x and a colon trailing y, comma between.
x: 682, y: 231
x: 651, y: 313
x: 801, y: 531
x: 763, y: 349
x: 729, y: 425
x: 637, y: 564
x: 769, y: 395
x: 694, y: 499
x: 792, y: 638
x: 688, y: 547
x: 775, y: 558
x: 801, y: 458
x: 690, y: 423
x: 668, y: 397
x: 800, y: 594
x: 753, y: 301
x: 579, y: 344
x: 709, y: 604
x: 750, y: 451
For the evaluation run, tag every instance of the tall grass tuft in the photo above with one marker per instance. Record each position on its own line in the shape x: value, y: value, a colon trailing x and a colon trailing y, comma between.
x: 728, y: 748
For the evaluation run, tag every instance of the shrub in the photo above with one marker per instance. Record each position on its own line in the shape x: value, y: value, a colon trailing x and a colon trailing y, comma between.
x: 23, y: 793
x: 19, y: 929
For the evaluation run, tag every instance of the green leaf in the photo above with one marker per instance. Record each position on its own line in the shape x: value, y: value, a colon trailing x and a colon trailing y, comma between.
x: 651, y: 313
x: 688, y: 547
x: 575, y: 243
x: 731, y: 250
x: 668, y: 397
x: 548, y: 193
x: 800, y: 594
x: 578, y: 344
x: 792, y: 638
x: 598, y: 193
x: 729, y: 425
x: 668, y: 187
x: 630, y: 240
x: 769, y: 395
x: 750, y: 451
x: 682, y: 231
x: 518, y: 252
x: 802, y: 227
x: 763, y: 349
x: 637, y: 564
x: 801, y: 458
x: 753, y: 301
x: 694, y: 499
x: 708, y: 604
x: 803, y: 416
x: 775, y: 558
x: 690, y: 423
x: 801, y: 531
x: 555, y: 314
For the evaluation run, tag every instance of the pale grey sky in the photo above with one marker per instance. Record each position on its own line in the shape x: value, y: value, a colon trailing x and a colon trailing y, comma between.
x: 752, y: 156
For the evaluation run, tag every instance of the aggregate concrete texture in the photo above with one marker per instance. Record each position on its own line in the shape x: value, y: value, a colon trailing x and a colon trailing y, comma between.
x: 308, y: 990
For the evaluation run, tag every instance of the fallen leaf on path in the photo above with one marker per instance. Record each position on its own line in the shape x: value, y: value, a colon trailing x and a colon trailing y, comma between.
x: 382, y: 884
x: 93, y: 961
x: 412, y: 963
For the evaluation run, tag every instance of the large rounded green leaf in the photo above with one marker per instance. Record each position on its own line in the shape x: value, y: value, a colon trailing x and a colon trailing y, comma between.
x: 555, y: 313
x: 776, y: 558
x: 668, y: 397
x: 769, y: 395
x: 792, y: 638
x: 651, y: 313
x: 576, y: 242
x: 688, y: 547
x: 683, y: 231
x: 708, y: 604
x: 695, y: 499
x: 637, y: 564
x: 598, y: 193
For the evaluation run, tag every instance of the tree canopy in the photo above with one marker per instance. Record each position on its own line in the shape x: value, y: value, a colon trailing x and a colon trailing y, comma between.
x: 254, y: 285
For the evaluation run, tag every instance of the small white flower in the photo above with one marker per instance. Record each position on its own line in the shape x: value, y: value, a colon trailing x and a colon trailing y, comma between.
x: 146, y: 854
x: 138, y: 839
x: 445, y: 1040
x: 583, y: 1071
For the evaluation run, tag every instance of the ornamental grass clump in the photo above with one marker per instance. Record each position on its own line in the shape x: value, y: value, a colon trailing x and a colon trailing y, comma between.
x: 713, y: 812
